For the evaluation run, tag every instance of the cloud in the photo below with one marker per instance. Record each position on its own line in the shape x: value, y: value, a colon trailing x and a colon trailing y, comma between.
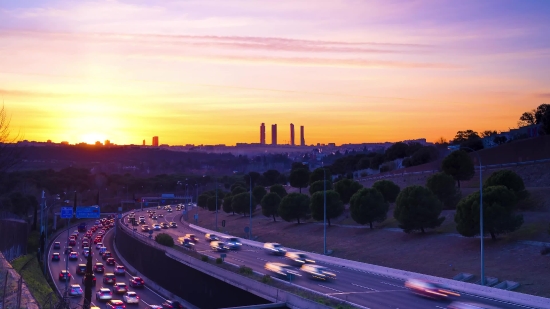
x: 544, y: 95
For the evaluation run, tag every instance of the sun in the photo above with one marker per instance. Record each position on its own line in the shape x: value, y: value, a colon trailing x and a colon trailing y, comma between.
x: 91, y: 138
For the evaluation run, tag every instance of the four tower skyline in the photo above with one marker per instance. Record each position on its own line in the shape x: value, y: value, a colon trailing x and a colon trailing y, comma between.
x: 274, y: 135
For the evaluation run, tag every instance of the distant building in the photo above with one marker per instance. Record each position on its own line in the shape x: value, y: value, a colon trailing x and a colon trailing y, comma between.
x: 292, y: 134
x: 143, y: 142
x: 302, y: 136
x: 262, y: 134
x: 155, y: 141
x: 274, y: 134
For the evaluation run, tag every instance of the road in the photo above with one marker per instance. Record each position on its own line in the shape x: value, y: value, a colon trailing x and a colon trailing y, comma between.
x: 147, y: 296
x: 362, y: 288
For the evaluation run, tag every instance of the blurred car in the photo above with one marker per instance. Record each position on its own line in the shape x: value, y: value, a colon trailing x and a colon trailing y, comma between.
x: 64, y: 275
x: 81, y: 269
x: 141, y: 219
x: 103, y: 294
x: 72, y: 242
x: 318, y: 272
x: 94, y: 280
x: 211, y: 237
x: 191, y: 237
x: 131, y: 298
x: 110, y: 262
x: 154, y: 217
x: 274, y: 248
x: 156, y: 227
x: 102, y: 250
x: 55, y: 256
x: 75, y: 290
x: 120, y: 270
x: 57, y: 245
x: 298, y: 258
x: 68, y: 250
x: 99, y: 268
x: 136, y: 282
x: 172, y: 304
x: 109, y: 278
x: 164, y: 225
x: 115, y: 304
x: 73, y: 255
x: 160, y: 215
x: 86, y: 252
x: 429, y: 289
x: 280, y: 270
x: 173, y: 224
x: 169, y: 210
x: 84, y: 244
x: 120, y: 287
x: 219, y: 246
x: 98, y: 245
x: 232, y: 242
x: 106, y: 255
x: 462, y: 305
x: 145, y: 228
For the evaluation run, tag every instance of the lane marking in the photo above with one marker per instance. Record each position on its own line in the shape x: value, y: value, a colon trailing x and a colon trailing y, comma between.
x: 262, y: 259
x: 364, y: 287
x: 326, y: 287
x: 395, y: 285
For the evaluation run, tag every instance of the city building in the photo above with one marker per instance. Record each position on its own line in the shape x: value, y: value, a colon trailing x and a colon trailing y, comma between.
x: 292, y: 134
x: 143, y: 143
x: 262, y: 134
x: 274, y: 134
x: 155, y: 141
x: 302, y: 137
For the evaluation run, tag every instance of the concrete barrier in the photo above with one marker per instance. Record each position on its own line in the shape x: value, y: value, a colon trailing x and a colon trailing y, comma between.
x: 462, y: 287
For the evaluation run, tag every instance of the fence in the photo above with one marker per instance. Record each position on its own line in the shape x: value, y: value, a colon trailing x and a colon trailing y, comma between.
x: 11, y: 286
x: 14, y: 231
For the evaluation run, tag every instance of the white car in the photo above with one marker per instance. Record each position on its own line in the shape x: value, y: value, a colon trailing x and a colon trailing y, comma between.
x: 99, y: 245
x: 274, y: 248
x: 131, y: 298
x: 75, y: 290
x: 104, y: 294
x: 318, y: 272
x: 156, y: 227
x: 461, y: 305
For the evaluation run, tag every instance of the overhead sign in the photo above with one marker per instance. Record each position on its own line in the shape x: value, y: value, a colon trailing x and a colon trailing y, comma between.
x: 88, y: 212
x: 66, y: 212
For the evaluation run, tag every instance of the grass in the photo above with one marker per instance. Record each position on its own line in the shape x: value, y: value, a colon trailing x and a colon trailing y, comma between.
x: 528, y: 231
x: 29, y: 268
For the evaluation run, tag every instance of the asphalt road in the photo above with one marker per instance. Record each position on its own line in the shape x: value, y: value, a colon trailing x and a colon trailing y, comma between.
x: 146, y: 295
x: 365, y: 289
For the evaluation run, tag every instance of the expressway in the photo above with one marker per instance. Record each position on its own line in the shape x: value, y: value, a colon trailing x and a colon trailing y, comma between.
x: 146, y: 295
x: 364, y: 289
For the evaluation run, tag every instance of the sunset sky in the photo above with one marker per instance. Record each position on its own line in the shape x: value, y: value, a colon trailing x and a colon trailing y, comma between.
x: 209, y: 72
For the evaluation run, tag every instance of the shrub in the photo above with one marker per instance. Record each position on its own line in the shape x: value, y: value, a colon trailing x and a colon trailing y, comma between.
x: 245, y: 270
x: 266, y: 279
x: 219, y: 260
x: 510, y: 180
x: 165, y: 239
x: 204, y: 258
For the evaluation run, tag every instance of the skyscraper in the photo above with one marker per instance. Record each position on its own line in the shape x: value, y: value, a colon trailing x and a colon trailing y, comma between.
x: 274, y: 134
x: 155, y: 141
x: 262, y: 134
x: 292, y: 134
x: 302, y: 136
x: 143, y: 142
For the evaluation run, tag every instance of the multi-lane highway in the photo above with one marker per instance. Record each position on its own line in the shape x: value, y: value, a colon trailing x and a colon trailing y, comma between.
x: 147, y: 296
x: 361, y: 288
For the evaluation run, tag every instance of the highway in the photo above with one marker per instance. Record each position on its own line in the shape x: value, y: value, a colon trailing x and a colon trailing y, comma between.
x: 147, y: 296
x: 365, y: 289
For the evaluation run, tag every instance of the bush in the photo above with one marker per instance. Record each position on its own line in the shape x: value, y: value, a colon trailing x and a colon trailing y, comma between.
x: 245, y: 270
x: 204, y: 258
x: 510, y: 180
x: 444, y: 187
x: 417, y: 208
x: 219, y: 260
x: 266, y: 279
x: 165, y: 239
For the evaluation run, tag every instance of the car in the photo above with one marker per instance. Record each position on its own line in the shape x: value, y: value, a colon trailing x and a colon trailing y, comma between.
x: 131, y: 298
x: 232, y: 242
x: 110, y: 262
x: 102, y: 250
x: 280, y: 270
x: 191, y: 237
x: 187, y: 243
x: 106, y: 255
x: 99, y: 245
x: 429, y: 289
x: 219, y: 246
x: 97, y: 222
x: 463, y: 305
x: 156, y: 227
x: 99, y: 268
x: 84, y: 244
x: 81, y: 269
x: 169, y: 210
x: 68, y: 250
x: 94, y: 280
x: 86, y: 252
x: 145, y: 228
x: 72, y: 242
x: 98, y: 240
x: 160, y: 215
x: 75, y: 290
x: 164, y: 225
x: 73, y: 255
x: 57, y: 245
x: 298, y: 258
x: 64, y: 275
x: 100, y: 233
x: 154, y: 307
x: 120, y: 270
x: 274, y: 248
x: 318, y: 272
x: 120, y: 287
x: 136, y: 282
x: 55, y: 256
x: 115, y: 304
x: 109, y: 278
x: 141, y: 219
x: 211, y: 237
x: 172, y: 304
x: 103, y: 294
x: 173, y: 225
x: 154, y: 217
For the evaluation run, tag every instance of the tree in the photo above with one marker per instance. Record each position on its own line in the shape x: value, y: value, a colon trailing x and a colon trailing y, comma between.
x: 271, y: 177
x: 527, y: 119
x: 255, y: 177
x: 294, y: 206
x: 388, y: 189
x: 258, y: 193
x: 488, y: 133
x: 346, y: 188
x: 227, y: 200
x: 510, y: 180
x: 270, y: 204
x: 424, y: 155
x: 376, y: 161
x: 20, y: 204
x: 443, y: 186
x: 203, y: 200
x: 462, y: 136
x: 241, y: 203
x: 164, y: 239
x: 335, y: 207
x: 319, y: 186
x: 396, y: 151
x: 475, y: 144
x: 459, y: 165
x: 211, y: 203
x: 9, y: 156
x: 417, y: 208
x: 498, y: 205
x: 363, y: 164
x: 238, y: 184
x: 535, y: 116
x: 299, y: 178
x: 299, y: 165
x: 367, y: 206
x: 413, y: 147
x: 320, y: 174
x: 279, y: 189
x: 237, y: 190
x: 499, y: 140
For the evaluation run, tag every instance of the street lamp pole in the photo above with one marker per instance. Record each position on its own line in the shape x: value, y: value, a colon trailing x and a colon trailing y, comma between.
x: 250, y: 212
x: 197, y: 200
x: 187, y: 200
x: 325, y: 211
x: 216, y: 204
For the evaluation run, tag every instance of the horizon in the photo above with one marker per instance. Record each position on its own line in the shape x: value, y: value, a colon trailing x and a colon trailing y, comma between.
x: 210, y: 72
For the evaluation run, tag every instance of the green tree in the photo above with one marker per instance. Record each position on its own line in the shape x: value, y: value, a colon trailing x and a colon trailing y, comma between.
x: 241, y: 203
x: 20, y: 204
x: 388, y: 189
x: 203, y: 200
x: 335, y: 207
x: 255, y: 177
x: 376, y: 161
x: 444, y: 187
x: 347, y: 188
x: 396, y: 151
x: 510, y: 180
x: 271, y: 177
x: 211, y: 203
x: 258, y: 193
x: 237, y: 190
x: 319, y: 186
x: 227, y: 200
x: 460, y: 165
x: 237, y: 184
x: 294, y: 206
x: 270, y: 204
x: 320, y: 174
x: 499, y: 204
x: 367, y: 206
x: 417, y: 208
x: 279, y: 189
x: 164, y: 239
x: 299, y: 178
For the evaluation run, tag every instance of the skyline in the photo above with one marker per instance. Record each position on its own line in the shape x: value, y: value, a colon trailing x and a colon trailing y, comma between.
x: 208, y: 72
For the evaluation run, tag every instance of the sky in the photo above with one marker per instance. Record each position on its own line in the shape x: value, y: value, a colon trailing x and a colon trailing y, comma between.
x: 210, y: 72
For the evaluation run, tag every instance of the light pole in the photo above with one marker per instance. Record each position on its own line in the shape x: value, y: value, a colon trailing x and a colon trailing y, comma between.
x: 250, y: 219
x: 325, y: 211
x: 216, y: 204
x: 187, y: 200
x: 197, y: 200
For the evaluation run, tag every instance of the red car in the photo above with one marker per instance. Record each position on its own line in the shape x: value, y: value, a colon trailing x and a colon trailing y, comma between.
x: 116, y: 304
x: 72, y: 242
x: 110, y: 262
x: 136, y: 282
x: 64, y: 275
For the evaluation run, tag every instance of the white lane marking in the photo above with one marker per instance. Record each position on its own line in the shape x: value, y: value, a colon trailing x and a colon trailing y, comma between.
x: 395, y: 285
x: 237, y: 259
x: 364, y: 287
x: 440, y: 307
x: 326, y: 287
x: 262, y: 260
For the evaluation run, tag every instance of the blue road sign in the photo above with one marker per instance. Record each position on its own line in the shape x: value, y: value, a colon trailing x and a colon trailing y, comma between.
x: 66, y: 212
x: 246, y: 229
x: 90, y: 212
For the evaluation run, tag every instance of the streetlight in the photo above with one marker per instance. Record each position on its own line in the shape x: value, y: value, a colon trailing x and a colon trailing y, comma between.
x: 197, y: 201
x: 216, y: 204
x: 250, y: 219
x: 186, y: 199
x: 324, y: 210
